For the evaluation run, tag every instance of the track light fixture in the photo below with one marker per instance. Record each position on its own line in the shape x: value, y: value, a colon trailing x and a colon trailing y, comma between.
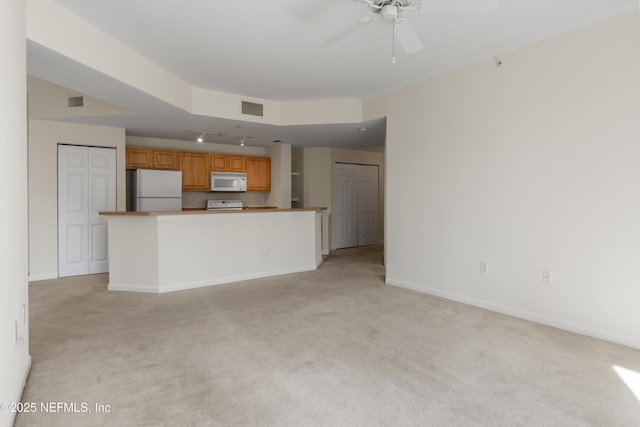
x: 200, y: 136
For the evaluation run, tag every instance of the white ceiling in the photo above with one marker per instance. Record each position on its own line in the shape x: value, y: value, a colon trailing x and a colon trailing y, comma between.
x: 269, y: 49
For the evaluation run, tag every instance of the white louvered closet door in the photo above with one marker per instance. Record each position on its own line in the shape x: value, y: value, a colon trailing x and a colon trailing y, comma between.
x: 357, y: 187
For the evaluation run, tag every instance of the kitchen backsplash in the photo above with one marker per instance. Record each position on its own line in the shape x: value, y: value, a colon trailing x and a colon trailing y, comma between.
x: 198, y: 199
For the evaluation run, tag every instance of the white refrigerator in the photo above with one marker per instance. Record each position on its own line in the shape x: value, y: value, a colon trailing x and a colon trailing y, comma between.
x: 156, y: 190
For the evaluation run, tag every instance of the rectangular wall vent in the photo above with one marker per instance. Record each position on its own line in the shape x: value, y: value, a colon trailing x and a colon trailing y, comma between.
x: 75, y: 101
x: 252, y: 109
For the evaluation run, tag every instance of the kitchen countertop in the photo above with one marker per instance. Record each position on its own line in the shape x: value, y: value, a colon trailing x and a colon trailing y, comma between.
x: 200, y: 211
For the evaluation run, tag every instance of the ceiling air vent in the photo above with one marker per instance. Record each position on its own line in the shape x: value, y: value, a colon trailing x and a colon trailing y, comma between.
x: 75, y: 101
x: 252, y: 109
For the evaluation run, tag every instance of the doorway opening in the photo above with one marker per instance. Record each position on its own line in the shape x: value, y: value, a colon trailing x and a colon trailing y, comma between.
x: 357, y: 209
x: 86, y: 186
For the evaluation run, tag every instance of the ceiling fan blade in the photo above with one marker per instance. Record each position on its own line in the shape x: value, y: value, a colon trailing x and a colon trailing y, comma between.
x: 407, y: 36
x: 346, y: 32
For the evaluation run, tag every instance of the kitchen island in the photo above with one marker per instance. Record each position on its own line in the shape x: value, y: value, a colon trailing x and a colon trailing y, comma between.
x: 160, y: 252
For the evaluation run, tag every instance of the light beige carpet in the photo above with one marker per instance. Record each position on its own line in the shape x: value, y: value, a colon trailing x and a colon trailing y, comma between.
x: 331, y: 347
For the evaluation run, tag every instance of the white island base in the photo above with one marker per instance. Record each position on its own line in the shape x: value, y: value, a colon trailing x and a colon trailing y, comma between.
x: 160, y: 252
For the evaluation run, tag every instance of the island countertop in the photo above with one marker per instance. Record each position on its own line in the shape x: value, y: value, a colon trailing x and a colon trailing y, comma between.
x: 200, y: 211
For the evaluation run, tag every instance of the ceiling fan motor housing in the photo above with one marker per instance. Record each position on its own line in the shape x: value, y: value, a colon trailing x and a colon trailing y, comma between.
x: 389, y: 12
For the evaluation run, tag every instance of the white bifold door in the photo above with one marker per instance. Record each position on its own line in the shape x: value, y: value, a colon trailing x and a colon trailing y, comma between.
x: 86, y: 186
x: 357, y: 205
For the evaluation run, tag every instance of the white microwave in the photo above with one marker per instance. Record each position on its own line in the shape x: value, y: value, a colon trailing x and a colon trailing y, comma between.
x: 229, y: 182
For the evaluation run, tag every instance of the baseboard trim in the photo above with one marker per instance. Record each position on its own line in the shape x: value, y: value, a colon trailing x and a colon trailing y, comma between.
x: 131, y: 288
x: 38, y: 277
x: 21, y: 385
x: 525, y: 315
x: 174, y: 287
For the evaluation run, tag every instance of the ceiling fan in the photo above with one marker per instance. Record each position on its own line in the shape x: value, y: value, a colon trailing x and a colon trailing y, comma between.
x: 389, y: 11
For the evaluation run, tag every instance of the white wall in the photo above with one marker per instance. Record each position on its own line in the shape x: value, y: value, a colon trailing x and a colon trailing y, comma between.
x: 49, y: 101
x: 317, y: 177
x: 14, y: 357
x: 192, y: 145
x: 280, y: 194
x: 44, y: 137
x: 531, y: 166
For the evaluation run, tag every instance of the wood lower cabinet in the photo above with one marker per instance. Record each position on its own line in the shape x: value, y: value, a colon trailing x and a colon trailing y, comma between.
x: 195, y: 171
x: 139, y: 158
x: 228, y: 163
x: 258, y: 174
x: 166, y: 160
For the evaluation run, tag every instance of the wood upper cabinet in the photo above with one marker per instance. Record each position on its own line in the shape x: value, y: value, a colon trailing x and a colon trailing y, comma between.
x: 237, y: 164
x: 258, y: 174
x: 196, y: 167
x: 219, y: 163
x: 167, y: 160
x: 148, y: 158
x: 195, y: 171
x: 139, y: 158
x: 228, y: 163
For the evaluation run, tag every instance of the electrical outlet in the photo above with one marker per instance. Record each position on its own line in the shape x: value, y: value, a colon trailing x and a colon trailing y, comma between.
x: 547, y: 276
x: 484, y: 267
